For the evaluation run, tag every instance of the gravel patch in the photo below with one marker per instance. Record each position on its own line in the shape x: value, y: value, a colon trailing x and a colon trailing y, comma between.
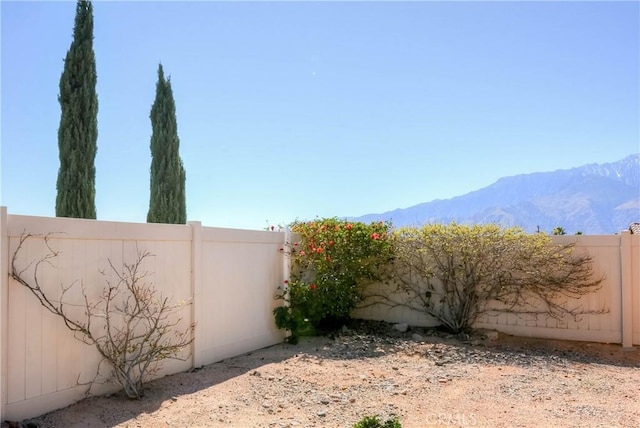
x: 422, y: 376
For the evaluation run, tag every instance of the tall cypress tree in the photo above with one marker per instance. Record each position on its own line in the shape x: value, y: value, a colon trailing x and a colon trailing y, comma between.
x: 167, y: 198
x: 78, y: 131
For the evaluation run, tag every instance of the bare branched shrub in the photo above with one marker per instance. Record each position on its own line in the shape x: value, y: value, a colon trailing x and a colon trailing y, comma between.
x: 131, y: 325
x: 455, y: 273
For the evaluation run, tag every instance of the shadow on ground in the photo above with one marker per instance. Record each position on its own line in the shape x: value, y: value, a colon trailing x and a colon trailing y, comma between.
x: 358, y: 340
x: 97, y: 411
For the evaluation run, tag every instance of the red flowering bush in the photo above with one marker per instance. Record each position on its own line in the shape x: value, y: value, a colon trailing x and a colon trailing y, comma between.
x: 332, y: 261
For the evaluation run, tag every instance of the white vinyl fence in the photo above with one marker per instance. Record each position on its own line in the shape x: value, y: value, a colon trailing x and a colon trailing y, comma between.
x: 229, y: 276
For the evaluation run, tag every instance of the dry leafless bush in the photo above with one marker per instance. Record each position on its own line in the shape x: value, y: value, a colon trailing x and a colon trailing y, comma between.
x: 132, y: 326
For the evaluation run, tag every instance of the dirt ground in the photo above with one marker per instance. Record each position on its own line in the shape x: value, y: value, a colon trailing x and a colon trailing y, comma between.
x: 423, y: 377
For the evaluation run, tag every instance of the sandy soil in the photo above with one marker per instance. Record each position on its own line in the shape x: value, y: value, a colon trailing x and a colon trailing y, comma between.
x: 423, y: 377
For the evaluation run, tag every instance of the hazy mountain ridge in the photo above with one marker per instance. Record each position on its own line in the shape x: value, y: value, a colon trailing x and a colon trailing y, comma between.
x: 595, y: 199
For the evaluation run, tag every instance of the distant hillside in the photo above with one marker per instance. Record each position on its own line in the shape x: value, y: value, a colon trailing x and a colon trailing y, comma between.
x: 593, y: 199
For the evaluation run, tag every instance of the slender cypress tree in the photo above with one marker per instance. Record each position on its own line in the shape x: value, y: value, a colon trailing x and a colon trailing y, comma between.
x: 167, y: 202
x: 78, y: 131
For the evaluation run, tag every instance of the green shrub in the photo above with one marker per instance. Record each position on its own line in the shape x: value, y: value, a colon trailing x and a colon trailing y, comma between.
x: 455, y: 273
x: 374, y: 422
x: 332, y: 261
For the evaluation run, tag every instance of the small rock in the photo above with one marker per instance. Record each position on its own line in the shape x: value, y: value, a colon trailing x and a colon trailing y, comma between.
x: 492, y: 335
x: 417, y: 337
x: 401, y: 327
x: 322, y: 413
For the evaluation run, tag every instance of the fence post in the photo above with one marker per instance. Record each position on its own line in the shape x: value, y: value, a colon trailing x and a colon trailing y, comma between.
x: 286, y: 261
x: 196, y: 292
x: 287, y: 247
x: 627, y: 289
x: 4, y: 296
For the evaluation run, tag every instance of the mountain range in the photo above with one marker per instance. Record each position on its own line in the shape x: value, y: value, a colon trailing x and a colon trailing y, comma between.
x: 592, y: 199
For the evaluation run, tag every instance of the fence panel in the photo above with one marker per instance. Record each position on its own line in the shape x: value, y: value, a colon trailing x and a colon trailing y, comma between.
x: 241, y: 270
x: 606, y: 327
x: 635, y: 286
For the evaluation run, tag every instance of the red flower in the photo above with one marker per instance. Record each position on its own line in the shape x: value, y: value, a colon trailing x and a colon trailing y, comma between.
x: 375, y: 236
x: 302, y: 252
x: 349, y: 226
x: 286, y: 281
x: 319, y: 250
x: 330, y: 242
x: 312, y: 287
x: 272, y: 227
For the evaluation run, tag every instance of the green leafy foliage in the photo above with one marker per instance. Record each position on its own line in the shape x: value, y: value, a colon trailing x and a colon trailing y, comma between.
x: 167, y: 202
x: 559, y: 231
x: 375, y: 422
x: 332, y: 262
x: 78, y: 131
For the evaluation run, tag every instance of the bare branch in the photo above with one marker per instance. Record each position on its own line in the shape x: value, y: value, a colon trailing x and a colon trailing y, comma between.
x: 131, y: 326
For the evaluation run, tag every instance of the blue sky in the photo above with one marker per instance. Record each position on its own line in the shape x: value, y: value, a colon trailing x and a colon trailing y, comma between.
x: 295, y: 109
